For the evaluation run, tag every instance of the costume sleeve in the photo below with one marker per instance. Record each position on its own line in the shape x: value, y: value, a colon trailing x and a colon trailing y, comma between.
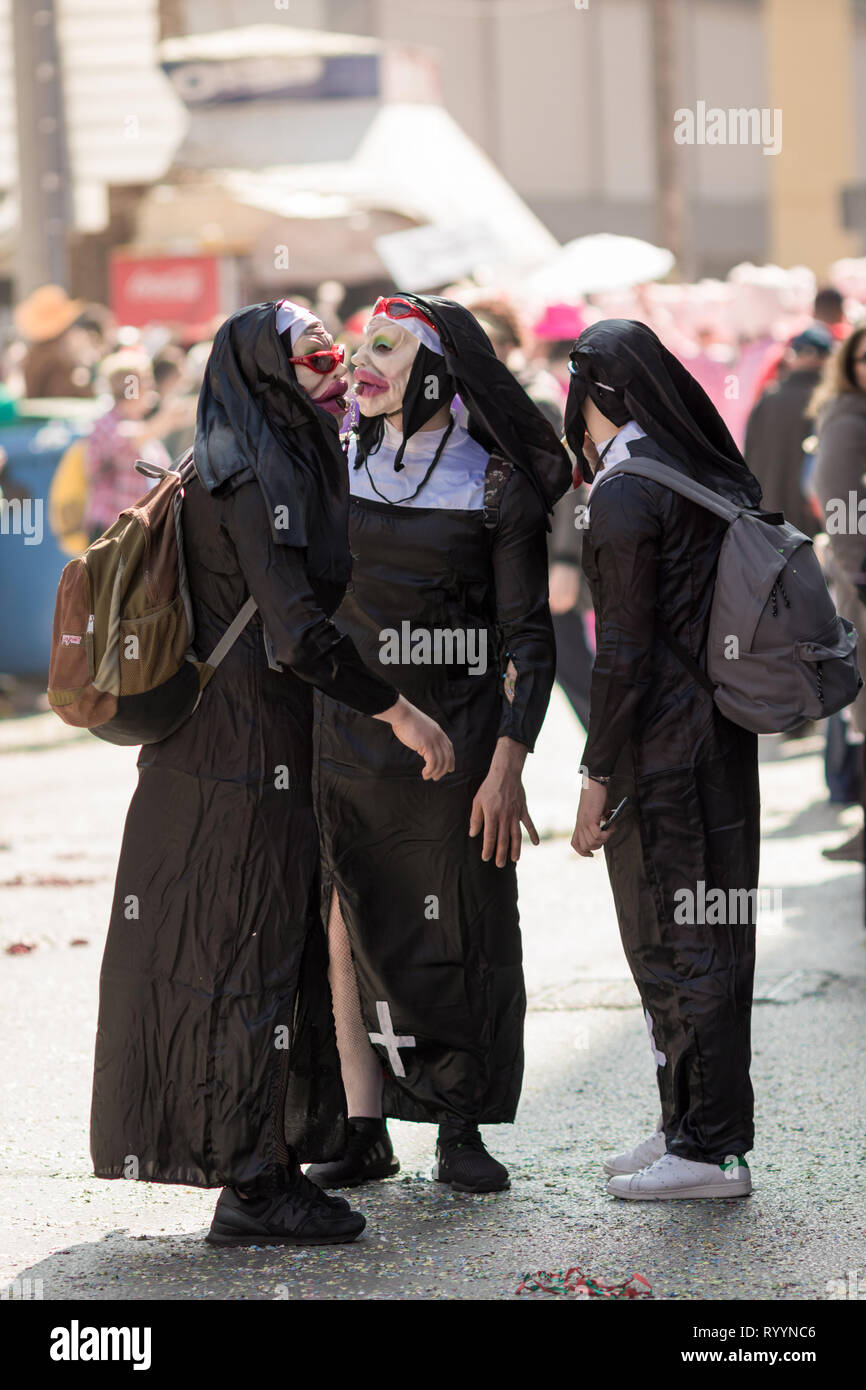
x: 520, y: 576
x: 625, y: 536
x: 303, y: 638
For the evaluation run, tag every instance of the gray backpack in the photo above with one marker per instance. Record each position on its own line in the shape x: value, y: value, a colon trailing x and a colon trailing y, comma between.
x: 777, y: 651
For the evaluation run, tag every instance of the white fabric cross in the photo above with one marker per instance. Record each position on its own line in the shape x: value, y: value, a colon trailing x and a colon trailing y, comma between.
x: 389, y: 1039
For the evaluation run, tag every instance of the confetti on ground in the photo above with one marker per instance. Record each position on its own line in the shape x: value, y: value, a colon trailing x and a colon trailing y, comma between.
x: 574, y: 1281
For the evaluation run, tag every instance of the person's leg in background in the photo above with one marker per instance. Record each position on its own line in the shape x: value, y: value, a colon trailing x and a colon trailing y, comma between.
x: 574, y: 660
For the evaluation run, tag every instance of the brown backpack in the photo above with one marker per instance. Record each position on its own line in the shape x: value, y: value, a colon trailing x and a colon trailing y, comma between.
x: 121, y: 659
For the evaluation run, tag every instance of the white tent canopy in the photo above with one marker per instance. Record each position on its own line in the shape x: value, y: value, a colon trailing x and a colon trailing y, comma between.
x: 410, y: 161
x: 592, y: 264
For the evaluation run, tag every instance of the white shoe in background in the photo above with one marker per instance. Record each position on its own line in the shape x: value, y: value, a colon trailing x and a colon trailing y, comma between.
x: 671, y: 1177
x: 639, y: 1157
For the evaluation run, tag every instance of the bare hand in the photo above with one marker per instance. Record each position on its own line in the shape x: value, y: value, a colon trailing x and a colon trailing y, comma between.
x: 591, y: 810
x: 423, y: 735
x: 499, y: 807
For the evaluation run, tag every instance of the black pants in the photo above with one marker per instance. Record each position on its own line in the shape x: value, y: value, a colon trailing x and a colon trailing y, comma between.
x: 573, y: 661
x: 695, y: 979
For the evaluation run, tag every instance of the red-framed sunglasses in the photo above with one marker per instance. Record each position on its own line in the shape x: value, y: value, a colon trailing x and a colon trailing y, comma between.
x: 323, y: 361
x: 396, y: 308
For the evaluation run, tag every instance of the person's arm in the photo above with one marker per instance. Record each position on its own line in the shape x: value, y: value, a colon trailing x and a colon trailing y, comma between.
x: 309, y: 643
x: 625, y: 537
x: 839, y: 471
x: 523, y: 612
x: 303, y: 638
x: 520, y: 575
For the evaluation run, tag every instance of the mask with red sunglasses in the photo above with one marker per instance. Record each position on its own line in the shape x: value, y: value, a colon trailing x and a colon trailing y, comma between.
x: 323, y: 361
x: 416, y: 322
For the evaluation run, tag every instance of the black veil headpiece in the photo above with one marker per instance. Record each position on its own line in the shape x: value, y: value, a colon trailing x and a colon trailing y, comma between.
x: 501, y: 416
x: 255, y: 421
x: 628, y: 373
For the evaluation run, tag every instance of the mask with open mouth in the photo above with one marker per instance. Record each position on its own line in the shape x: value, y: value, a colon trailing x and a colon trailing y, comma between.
x: 398, y: 368
x: 313, y: 361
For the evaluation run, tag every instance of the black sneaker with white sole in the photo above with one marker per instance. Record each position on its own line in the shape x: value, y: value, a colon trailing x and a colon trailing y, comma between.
x: 301, y: 1215
x: 463, y: 1162
x: 369, y: 1157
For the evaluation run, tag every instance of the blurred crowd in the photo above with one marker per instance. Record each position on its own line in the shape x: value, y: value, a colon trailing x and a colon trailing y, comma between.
x: 782, y: 358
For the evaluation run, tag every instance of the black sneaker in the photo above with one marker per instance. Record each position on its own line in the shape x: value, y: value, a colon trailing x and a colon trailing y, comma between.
x: 369, y: 1156
x: 299, y: 1215
x: 463, y: 1161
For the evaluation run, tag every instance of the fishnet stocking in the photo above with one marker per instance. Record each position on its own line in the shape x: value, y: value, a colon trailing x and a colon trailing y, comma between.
x: 362, y: 1073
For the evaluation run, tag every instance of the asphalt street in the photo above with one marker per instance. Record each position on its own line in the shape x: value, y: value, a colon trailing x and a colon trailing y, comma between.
x: 589, y: 1088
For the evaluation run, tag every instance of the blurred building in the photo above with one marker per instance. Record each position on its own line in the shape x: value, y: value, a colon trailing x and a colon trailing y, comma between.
x: 564, y: 96
x: 310, y: 155
x: 122, y: 123
x: 527, y: 116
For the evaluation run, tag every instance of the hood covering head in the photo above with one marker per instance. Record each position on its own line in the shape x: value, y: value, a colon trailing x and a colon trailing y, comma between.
x: 294, y: 319
x: 628, y: 373
x: 255, y: 421
x: 502, y: 418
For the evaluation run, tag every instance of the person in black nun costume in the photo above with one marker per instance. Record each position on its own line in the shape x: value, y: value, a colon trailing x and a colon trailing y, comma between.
x: 691, y: 820
x: 216, y: 1062
x: 448, y: 598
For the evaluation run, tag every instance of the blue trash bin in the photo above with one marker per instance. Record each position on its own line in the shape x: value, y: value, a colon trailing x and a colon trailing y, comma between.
x: 30, y: 559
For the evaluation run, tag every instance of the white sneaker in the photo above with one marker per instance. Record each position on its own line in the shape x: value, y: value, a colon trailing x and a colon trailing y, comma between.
x: 639, y: 1157
x: 670, y: 1177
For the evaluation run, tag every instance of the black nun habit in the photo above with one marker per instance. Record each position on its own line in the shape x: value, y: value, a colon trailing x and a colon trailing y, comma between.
x: 434, y: 931
x: 691, y: 825
x: 215, y: 1051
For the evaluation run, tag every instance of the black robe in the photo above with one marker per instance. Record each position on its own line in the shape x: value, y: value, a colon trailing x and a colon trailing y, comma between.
x: 694, y: 809
x: 215, y: 1048
x: 435, y: 931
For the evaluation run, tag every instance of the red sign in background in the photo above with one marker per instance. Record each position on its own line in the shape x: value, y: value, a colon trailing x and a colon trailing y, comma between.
x: 177, y: 289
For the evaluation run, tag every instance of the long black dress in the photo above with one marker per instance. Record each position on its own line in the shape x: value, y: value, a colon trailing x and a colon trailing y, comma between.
x: 694, y: 813
x: 434, y: 930
x: 215, y: 1049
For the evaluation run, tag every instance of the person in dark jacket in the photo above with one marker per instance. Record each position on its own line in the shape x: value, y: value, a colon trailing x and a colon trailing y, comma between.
x: 216, y: 1062
x: 449, y: 593
x: 839, y: 483
x: 690, y: 823
x: 779, y: 423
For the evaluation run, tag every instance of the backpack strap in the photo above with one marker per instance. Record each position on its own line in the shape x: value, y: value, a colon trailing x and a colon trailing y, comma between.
x: 184, y: 466
x: 704, y: 497
x: 684, y: 656
x: 228, y: 639
x: 686, y: 487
